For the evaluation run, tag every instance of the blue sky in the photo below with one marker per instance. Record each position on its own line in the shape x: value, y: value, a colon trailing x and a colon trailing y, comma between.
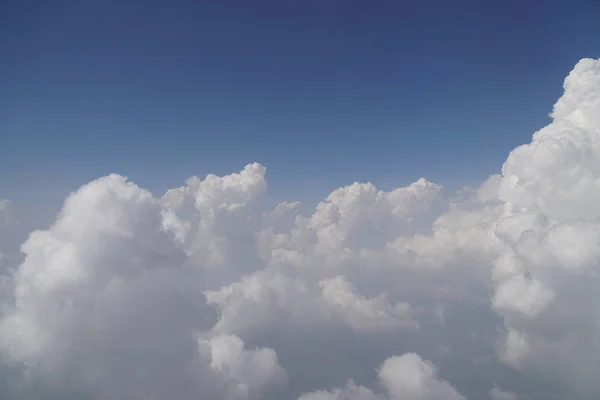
x: 323, y: 93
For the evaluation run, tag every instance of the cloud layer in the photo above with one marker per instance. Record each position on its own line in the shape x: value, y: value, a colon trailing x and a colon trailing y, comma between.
x: 412, y: 294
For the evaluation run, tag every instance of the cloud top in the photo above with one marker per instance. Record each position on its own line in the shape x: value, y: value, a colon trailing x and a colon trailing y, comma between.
x: 412, y: 293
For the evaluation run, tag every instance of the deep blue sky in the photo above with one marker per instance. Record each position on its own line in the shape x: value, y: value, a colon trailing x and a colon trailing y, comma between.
x: 322, y: 92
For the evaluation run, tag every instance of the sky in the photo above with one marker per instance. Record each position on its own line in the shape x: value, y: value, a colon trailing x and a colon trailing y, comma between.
x: 320, y: 93
x: 299, y: 200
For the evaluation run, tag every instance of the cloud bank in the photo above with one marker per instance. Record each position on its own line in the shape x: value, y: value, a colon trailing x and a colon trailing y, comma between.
x: 411, y: 294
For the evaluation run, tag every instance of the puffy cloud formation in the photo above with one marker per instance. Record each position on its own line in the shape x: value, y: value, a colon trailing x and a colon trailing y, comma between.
x: 547, y: 260
x: 412, y: 294
x: 104, y: 304
x: 406, y: 377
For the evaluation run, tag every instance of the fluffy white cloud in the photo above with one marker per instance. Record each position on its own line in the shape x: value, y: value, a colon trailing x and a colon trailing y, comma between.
x: 365, y: 314
x: 406, y: 377
x: 206, y: 293
x: 548, y: 262
x: 105, y: 304
x: 247, y: 372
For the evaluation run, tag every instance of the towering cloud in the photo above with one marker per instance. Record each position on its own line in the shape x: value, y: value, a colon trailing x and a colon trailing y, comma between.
x: 412, y: 294
x: 548, y: 258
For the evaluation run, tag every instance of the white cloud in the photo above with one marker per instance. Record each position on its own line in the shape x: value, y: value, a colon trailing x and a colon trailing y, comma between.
x: 547, y: 270
x: 248, y: 372
x: 411, y: 377
x: 406, y: 377
x: 365, y: 314
x: 206, y: 293
x: 105, y: 304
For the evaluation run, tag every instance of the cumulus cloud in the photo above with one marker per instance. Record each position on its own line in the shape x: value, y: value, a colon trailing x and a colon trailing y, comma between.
x: 547, y: 262
x: 105, y: 304
x: 247, y: 372
x: 207, y: 293
x: 361, y: 313
x: 406, y: 377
